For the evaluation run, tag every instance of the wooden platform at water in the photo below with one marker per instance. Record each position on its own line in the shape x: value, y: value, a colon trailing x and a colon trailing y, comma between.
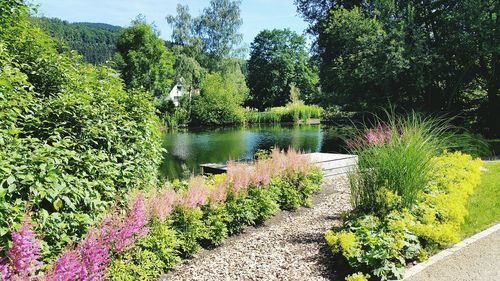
x: 331, y: 164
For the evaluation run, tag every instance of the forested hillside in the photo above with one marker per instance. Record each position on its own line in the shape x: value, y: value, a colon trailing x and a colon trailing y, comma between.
x: 95, y: 41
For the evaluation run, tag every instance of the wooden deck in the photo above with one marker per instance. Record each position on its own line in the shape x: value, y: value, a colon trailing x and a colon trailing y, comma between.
x: 331, y: 164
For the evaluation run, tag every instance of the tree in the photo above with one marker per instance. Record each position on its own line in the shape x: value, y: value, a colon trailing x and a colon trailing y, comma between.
x: 278, y: 59
x: 435, y: 56
x: 144, y: 61
x: 219, y: 102
x: 218, y: 27
x: 182, y: 25
x: 360, y: 63
x: 96, y: 42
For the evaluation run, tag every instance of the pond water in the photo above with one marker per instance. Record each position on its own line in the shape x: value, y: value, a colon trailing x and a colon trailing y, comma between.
x: 186, y: 149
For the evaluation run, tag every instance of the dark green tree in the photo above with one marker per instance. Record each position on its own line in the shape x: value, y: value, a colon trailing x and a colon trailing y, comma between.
x: 144, y: 61
x: 278, y: 59
x: 435, y: 56
x: 96, y: 42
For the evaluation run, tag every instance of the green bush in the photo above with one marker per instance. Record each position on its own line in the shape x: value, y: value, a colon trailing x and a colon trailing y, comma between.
x: 292, y: 112
x: 190, y: 229
x: 383, y: 242
x: 264, y: 203
x: 241, y: 212
x: 154, y: 254
x: 135, y: 265
x: 216, y: 219
x: 293, y: 191
x: 381, y: 245
x: 72, y: 140
x: 287, y: 194
x: 219, y: 102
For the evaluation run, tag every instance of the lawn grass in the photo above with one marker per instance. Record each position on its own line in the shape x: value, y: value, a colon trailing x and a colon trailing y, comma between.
x: 484, y: 204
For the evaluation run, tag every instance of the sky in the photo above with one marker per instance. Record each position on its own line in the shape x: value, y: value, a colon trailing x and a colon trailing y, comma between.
x: 256, y: 14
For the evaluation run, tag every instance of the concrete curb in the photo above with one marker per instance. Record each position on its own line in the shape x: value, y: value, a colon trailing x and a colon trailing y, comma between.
x: 441, y: 255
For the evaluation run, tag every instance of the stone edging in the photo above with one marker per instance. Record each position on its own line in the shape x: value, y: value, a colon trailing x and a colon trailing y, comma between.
x: 441, y: 255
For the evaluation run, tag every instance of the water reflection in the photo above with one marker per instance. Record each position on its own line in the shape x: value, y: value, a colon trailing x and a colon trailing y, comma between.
x: 187, y: 149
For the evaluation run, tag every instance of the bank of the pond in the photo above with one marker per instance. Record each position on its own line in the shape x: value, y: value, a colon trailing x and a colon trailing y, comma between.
x: 186, y: 149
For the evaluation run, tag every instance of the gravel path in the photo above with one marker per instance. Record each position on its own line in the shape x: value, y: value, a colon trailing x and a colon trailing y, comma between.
x: 290, y: 246
x: 477, y: 261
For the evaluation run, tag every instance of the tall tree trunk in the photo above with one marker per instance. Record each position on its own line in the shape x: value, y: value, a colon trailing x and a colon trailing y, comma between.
x: 493, y: 114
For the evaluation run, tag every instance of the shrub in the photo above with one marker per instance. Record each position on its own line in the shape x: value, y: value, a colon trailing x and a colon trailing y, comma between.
x: 288, y: 196
x: 154, y: 254
x: 73, y: 140
x: 381, y: 243
x: 216, y: 219
x: 241, y: 213
x: 292, y: 112
x: 264, y: 203
x: 219, y: 102
x: 190, y: 229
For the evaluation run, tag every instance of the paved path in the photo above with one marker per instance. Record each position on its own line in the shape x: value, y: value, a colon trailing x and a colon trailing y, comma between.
x: 479, y: 260
x: 289, y: 247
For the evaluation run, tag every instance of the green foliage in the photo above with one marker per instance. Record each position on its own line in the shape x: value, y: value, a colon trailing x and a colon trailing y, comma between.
x: 374, y: 52
x: 278, y: 60
x: 217, y: 27
x: 138, y: 265
x: 216, y: 219
x: 212, y: 37
x: 395, y: 155
x: 383, y: 246
x: 292, y: 112
x: 293, y: 191
x: 72, y: 139
x: 144, y: 61
x: 384, y: 241
x: 95, y: 42
x: 264, y: 203
x: 219, y: 102
x: 155, y: 253
x: 241, y: 213
x: 358, y: 276
x: 190, y: 229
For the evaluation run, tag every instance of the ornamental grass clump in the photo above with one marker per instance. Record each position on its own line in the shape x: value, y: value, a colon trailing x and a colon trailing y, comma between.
x: 395, y: 154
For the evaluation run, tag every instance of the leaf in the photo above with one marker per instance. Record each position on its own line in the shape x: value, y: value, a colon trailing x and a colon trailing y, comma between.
x: 58, y: 204
x: 11, y: 179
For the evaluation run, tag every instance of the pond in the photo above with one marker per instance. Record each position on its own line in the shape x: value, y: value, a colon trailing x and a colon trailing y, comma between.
x: 186, y: 149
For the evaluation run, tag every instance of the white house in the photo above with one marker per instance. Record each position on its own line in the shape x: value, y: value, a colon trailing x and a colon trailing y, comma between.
x: 176, y: 93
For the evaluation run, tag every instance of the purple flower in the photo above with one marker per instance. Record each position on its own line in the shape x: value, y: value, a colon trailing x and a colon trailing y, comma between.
x: 24, y: 253
x: 67, y: 268
x: 4, y: 269
x: 94, y: 253
x: 134, y: 225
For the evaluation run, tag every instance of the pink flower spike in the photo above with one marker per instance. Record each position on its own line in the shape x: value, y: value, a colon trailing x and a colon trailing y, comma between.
x: 67, y: 268
x: 25, y: 252
x: 134, y: 225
